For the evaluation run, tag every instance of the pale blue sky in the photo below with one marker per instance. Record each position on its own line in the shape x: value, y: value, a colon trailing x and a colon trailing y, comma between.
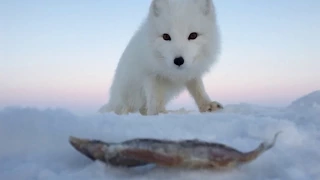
x: 63, y: 53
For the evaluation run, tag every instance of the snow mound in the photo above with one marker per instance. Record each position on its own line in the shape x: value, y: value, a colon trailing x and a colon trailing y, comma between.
x: 309, y: 101
x: 34, y: 143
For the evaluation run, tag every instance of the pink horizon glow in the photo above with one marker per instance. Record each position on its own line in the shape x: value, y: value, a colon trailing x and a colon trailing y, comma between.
x: 89, y: 98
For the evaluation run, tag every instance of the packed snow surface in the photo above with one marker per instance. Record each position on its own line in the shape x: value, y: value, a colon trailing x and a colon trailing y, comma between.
x: 34, y: 143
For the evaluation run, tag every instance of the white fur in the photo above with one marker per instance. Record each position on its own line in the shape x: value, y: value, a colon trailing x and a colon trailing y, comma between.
x: 146, y: 78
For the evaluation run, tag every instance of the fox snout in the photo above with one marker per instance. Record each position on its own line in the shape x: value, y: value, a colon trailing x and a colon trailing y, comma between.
x: 179, y: 61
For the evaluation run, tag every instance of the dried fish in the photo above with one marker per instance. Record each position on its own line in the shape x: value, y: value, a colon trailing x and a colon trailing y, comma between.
x: 195, y: 154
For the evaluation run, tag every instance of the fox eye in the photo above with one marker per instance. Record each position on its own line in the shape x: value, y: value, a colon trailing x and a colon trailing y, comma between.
x: 166, y: 37
x: 193, y: 36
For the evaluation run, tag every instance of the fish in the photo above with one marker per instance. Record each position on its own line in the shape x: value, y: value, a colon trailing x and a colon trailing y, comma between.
x: 189, y: 153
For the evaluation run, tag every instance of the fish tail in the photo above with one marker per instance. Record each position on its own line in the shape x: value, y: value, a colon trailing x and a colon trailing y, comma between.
x: 252, y: 155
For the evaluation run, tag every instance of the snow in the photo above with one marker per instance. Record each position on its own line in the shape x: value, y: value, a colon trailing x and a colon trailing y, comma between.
x: 34, y: 143
x: 311, y: 100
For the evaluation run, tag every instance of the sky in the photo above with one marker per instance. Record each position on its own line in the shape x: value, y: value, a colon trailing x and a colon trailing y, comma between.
x: 64, y: 53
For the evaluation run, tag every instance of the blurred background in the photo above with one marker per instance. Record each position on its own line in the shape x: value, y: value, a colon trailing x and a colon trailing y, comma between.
x: 64, y: 53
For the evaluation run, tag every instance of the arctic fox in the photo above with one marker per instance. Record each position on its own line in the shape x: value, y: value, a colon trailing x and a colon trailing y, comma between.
x: 174, y: 47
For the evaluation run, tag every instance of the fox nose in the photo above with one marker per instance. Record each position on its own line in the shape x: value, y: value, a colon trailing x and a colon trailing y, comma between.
x: 178, y: 61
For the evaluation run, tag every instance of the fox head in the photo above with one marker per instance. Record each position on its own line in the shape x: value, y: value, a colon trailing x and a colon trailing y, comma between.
x: 183, y: 34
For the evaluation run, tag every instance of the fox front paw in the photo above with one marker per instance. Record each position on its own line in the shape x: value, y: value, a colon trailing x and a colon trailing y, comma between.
x: 151, y: 112
x: 154, y: 113
x: 211, y: 107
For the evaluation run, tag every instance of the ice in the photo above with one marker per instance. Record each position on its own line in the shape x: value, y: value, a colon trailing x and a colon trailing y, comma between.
x: 34, y: 143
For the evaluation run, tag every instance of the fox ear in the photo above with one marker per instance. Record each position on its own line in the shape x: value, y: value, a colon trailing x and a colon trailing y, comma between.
x: 157, y: 7
x: 206, y: 6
